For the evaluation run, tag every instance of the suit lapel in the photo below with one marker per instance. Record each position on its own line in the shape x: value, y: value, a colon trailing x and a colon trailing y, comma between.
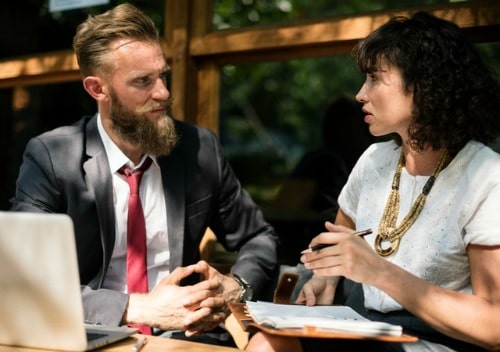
x: 98, y: 178
x: 174, y: 185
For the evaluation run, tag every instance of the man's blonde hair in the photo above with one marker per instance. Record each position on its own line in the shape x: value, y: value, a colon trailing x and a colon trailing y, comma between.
x: 94, y: 36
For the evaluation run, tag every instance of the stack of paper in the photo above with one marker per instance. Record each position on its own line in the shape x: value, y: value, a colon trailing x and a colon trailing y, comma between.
x: 338, y: 318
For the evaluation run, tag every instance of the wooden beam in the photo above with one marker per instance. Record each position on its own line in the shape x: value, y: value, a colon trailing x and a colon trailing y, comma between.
x: 52, y: 78
x: 204, y: 95
x: 39, y: 68
x: 177, y: 33
x: 208, y: 91
x: 187, y: 19
x: 328, y: 36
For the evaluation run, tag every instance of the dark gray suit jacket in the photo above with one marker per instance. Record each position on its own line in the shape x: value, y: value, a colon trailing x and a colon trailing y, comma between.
x: 66, y: 171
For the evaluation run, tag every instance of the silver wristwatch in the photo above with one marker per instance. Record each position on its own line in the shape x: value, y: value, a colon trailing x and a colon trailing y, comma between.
x: 246, y: 290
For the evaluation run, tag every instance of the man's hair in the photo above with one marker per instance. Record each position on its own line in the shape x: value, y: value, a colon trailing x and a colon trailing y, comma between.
x: 94, y: 36
x: 456, y: 95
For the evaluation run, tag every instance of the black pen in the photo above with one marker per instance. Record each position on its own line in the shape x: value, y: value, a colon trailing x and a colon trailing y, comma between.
x: 324, y: 245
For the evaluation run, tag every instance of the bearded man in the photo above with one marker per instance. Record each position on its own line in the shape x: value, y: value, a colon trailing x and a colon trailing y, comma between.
x: 188, y: 187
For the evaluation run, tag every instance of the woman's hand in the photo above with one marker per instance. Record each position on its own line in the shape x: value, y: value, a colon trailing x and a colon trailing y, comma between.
x: 319, y: 290
x: 348, y: 255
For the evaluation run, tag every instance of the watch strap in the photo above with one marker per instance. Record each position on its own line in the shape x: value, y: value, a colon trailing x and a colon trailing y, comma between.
x: 246, y: 288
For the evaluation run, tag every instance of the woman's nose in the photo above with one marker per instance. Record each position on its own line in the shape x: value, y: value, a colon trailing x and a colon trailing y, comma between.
x: 361, y: 96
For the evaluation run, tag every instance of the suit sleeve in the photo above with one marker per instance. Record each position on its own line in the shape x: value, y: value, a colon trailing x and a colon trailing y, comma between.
x: 103, y: 306
x: 36, y: 187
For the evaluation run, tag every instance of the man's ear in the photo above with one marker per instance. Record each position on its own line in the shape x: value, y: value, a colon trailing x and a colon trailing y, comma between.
x: 94, y: 86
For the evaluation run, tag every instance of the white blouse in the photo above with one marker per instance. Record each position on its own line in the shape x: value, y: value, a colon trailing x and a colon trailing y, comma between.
x: 463, y: 207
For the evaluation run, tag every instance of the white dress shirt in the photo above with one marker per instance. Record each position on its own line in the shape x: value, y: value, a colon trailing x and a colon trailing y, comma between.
x: 155, y: 214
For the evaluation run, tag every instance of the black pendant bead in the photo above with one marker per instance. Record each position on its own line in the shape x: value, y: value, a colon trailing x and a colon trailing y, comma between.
x: 384, y: 252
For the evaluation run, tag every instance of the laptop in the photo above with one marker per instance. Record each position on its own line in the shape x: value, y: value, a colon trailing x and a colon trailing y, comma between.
x: 40, y: 299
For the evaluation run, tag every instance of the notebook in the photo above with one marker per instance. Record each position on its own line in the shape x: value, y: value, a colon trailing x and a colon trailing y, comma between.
x: 40, y: 299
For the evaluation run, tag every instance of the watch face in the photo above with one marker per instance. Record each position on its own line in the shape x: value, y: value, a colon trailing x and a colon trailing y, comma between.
x: 246, y: 294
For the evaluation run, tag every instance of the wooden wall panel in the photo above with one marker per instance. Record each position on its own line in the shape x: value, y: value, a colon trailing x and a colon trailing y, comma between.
x: 328, y: 36
x: 208, y: 90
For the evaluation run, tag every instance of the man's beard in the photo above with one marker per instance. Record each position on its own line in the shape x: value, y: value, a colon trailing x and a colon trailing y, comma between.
x: 154, y: 138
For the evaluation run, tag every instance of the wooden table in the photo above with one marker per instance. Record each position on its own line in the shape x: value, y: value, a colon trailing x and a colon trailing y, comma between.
x: 154, y: 344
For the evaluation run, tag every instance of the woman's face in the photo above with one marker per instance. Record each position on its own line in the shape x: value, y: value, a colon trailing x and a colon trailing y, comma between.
x: 387, y: 105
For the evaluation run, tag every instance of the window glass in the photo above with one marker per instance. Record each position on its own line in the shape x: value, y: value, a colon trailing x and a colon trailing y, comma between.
x: 272, y: 113
x: 29, y: 111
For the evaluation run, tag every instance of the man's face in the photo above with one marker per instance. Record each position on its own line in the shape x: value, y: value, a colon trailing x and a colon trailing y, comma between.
x: 139, y: 101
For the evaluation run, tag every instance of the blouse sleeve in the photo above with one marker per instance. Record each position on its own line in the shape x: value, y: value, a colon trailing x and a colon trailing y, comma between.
x: 349, y: 196
x: 483, y: 227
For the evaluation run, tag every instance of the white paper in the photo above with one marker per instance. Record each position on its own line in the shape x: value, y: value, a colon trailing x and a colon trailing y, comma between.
x: 338, y: 318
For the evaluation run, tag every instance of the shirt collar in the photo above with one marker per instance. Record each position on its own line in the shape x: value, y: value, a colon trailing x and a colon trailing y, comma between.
x: 116, y: 158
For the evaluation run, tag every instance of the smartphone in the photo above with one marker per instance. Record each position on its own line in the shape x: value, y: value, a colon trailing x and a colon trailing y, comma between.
x: 285, y: 287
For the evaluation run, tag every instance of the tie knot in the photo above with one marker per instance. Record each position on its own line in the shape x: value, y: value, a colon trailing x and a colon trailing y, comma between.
x: 127, y: 171
x: 134, y: 177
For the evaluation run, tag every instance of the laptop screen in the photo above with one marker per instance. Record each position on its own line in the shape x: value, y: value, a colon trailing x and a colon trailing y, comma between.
x: 40, y: 303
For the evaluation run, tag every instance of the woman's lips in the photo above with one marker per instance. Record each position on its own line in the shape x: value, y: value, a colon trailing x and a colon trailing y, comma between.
x: 368, y: 116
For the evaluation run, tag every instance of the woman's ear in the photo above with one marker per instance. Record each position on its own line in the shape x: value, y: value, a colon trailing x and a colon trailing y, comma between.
x: 94, y: 86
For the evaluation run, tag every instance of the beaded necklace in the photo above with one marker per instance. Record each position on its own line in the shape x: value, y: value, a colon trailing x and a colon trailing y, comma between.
x: 389, y: 236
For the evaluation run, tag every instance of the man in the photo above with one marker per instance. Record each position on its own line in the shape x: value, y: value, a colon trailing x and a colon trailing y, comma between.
x: 188, y: 187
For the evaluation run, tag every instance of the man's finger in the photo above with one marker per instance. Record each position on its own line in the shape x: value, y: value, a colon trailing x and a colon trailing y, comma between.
x: 178, y: 274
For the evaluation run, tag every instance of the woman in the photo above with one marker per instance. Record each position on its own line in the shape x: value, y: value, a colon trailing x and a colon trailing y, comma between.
x: 431, y: 195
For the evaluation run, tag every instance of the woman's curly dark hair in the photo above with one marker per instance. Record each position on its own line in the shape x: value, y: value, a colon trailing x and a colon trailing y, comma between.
x: 456, y: 95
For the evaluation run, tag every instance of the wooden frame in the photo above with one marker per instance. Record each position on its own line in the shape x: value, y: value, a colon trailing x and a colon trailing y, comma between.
x: 195, y: 53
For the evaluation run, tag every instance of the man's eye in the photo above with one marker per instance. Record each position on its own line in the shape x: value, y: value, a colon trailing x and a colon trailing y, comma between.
x: 166, y: 77
x: 144, y: 80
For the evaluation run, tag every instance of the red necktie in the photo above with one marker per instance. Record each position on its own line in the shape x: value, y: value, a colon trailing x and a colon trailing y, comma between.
x: 137, y: 275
